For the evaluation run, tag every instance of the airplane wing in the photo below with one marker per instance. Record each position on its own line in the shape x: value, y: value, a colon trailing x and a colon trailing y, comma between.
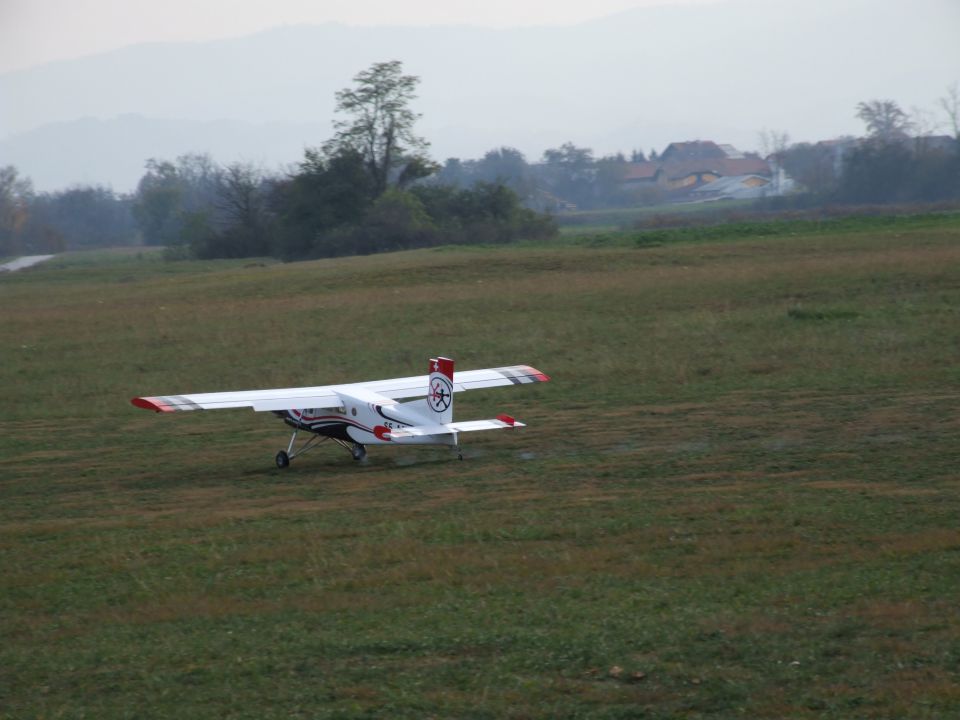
x: 462, y: 380
x: 261, y: 400
x: 382, y: 392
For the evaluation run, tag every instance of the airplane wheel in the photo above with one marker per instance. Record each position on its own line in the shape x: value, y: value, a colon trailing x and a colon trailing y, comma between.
x: 358, y: 451
x: 283, y: 460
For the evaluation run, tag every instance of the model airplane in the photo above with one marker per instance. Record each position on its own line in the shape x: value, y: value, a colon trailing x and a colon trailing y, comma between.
x: 366, y: 413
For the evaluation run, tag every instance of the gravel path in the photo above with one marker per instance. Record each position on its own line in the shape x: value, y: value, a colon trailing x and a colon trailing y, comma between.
x: 23, y: 262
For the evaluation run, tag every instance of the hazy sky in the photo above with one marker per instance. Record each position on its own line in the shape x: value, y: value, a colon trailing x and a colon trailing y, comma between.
x: 38, y: 31
x: 699, y: 69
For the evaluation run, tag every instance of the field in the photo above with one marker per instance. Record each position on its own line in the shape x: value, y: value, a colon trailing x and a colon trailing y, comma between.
x: 578, y: 221
x: 738, y: 496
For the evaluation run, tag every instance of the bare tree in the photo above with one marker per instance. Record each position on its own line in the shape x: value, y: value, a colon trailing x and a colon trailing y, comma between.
x: 773, y: 147
x: 884, y: 119
x: 950, y: 104
x: 242, y: 202
x: 923, y: 122
x: 924, y: 126
x: 773, y: 142
x: 239, y: 195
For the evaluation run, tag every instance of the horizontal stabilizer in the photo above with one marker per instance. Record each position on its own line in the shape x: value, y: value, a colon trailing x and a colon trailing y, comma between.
x: 500, y: 423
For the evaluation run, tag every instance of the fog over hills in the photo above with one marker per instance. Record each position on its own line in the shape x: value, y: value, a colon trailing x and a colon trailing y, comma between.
x: 639, y: 79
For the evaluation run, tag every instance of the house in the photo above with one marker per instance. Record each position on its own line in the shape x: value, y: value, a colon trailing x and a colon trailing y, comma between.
x: 641, y: 172
x: 695, y: 150
x: 685, y: 166
x: 734, y: 187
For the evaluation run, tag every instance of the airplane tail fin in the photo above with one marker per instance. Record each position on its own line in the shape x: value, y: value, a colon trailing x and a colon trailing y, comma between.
x: 440, y: 390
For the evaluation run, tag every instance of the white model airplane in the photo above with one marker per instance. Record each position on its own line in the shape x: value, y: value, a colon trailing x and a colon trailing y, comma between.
x: 366, y: 413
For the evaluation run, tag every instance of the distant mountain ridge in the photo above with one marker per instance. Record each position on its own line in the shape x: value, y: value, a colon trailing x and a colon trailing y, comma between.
x: 639, y: 79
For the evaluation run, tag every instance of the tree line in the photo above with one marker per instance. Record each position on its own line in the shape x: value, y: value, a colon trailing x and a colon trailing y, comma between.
x: 363, y: 191
x: 899, y: 160
x: 77, y: 218
x: 372, y: 187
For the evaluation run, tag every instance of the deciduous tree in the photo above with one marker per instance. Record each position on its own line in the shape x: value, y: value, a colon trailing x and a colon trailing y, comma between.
x: 15, y: 193
x: 884, y: 119
x: 84, y: 216
x: 328, y: 192
x: 569, y: 172
x: 508, y: 166
x: 379, y: 126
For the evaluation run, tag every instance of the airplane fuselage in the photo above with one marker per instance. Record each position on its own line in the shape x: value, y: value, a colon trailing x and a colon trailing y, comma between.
x: 368, y: 423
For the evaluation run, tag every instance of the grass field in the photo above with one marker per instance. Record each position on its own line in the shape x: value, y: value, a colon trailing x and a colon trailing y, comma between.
x: 738, y: 496
x: 607, y: 219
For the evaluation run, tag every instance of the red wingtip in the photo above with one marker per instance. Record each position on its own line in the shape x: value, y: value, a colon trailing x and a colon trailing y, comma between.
x: 507, y: 419
x: 151, y: 404
x: 541, y: 377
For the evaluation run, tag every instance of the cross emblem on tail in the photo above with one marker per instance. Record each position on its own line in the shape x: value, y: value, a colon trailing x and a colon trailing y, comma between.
x: 440, y: 395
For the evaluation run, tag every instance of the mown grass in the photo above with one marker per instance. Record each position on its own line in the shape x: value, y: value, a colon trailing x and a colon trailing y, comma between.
x: 736, y: 498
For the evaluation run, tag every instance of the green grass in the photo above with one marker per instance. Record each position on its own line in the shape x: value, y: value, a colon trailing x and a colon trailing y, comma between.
x: 611, y: 219
x: 738, y: 230
x: 736, y: 498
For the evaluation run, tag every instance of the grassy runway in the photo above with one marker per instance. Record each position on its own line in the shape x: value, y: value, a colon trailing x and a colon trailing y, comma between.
x: 738, y: 497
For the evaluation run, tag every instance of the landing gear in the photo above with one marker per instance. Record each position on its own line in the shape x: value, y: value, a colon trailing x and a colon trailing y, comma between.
x: 357, y: 450
x: 284, y: 457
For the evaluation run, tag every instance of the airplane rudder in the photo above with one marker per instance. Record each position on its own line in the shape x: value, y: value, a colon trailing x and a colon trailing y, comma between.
x: 442, y: 365
x: 440, y: 389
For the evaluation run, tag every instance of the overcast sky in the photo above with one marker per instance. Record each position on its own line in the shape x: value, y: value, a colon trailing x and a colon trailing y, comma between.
x: 33, y: 32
